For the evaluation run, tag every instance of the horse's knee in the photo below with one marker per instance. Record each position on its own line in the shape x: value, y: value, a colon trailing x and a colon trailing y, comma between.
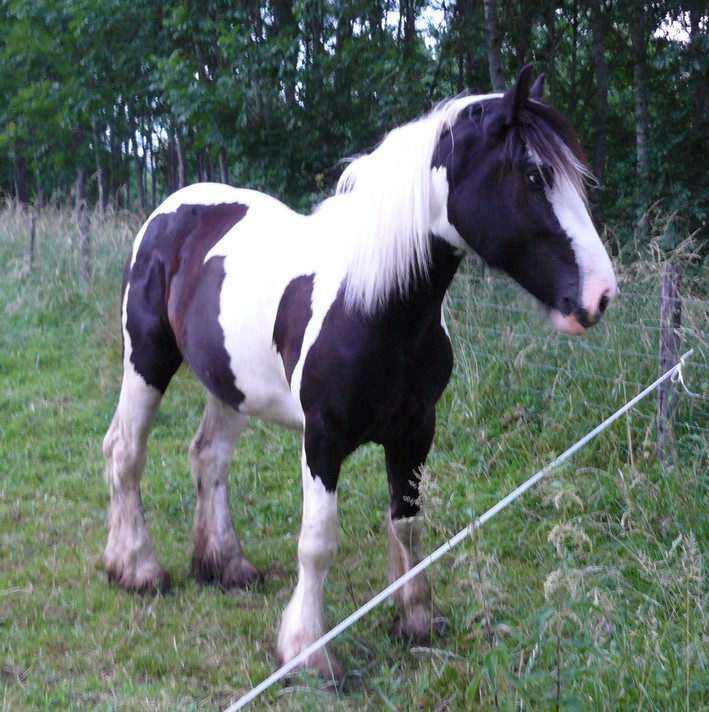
x: 123, y: 459
x: 317, y: 550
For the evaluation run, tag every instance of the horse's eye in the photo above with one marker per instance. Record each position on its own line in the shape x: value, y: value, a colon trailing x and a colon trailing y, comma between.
x: 535, y: 178
x: 541, y: 176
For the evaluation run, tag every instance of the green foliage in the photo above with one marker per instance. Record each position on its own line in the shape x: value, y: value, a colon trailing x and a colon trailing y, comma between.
x: 273, y: 95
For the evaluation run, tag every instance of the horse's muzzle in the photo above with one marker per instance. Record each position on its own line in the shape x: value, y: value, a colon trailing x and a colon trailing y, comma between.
x: 579, y: 319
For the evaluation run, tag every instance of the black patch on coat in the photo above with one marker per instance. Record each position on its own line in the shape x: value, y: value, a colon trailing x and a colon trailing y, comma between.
x: 294, y: 312
x: 202, y: 336
x: 167, y: 277
x: 377, y: 378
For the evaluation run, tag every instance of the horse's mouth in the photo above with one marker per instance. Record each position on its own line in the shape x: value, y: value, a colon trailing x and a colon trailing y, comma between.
x: 568, y: 323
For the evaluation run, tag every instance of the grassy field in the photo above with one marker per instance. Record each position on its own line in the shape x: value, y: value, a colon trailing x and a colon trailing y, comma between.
x: 589, y: 593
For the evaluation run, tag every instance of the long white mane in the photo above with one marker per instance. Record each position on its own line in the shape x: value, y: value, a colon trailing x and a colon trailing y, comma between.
x: 392, y: 205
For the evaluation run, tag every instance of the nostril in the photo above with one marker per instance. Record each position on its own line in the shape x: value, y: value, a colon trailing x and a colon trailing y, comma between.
x: 603, y: 304
x: 567, y: 306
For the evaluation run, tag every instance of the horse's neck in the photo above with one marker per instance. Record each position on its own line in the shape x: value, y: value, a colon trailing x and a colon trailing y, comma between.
x: 426, y: 295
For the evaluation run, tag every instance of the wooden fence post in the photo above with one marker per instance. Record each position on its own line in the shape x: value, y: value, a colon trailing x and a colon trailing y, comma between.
x: 31, y: 243
x: 82, y: 215
x: 670, y: 322
x: 84, y: 245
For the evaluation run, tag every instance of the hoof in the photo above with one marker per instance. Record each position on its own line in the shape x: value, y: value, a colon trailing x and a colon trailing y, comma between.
x: 231, y: 576
x: 151, y: 581
x: 420, y: 626
x: 323, y: 664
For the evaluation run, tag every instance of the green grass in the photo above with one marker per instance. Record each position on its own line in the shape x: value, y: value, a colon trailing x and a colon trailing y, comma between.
x: 590, y: 592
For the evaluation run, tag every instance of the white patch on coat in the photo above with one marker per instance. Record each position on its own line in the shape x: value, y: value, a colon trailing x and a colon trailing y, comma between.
x: 263, y: 253
x: 440, y: 226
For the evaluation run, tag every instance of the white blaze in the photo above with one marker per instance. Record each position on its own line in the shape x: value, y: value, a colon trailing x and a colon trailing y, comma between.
x: 597, y: 278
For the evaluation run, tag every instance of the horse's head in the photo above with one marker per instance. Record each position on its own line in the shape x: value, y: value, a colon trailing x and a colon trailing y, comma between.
x: 515, y: 175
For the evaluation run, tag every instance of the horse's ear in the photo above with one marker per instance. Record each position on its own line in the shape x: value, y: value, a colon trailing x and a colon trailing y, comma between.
x: 508, y: 111
x: 537, y: 90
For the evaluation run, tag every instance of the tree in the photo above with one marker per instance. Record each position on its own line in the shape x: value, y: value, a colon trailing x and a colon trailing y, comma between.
x: 494, y: 45
x: 135, y: 99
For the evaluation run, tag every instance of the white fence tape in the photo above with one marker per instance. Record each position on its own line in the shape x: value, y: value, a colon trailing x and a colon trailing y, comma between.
x: 675, y: 373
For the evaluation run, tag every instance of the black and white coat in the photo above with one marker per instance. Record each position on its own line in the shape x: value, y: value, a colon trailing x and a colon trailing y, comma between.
x: 332, y: 323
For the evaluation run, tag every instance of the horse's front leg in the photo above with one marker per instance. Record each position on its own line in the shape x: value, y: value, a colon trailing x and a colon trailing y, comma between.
x: 419, y: 618
x: 304, y: 618
x: 216, y: 554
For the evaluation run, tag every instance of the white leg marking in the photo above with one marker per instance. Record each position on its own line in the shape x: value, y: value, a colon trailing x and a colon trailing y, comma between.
x: 304, y: 618
x: 217, y: 555
x: 419, y: 617
x: 129, y: 556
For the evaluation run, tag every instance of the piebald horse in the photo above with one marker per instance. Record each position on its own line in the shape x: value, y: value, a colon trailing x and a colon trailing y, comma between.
x: 332, y: 323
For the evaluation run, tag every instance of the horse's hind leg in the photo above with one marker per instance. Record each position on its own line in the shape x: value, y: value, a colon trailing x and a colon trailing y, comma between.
x: 129, y: 557
x: 217, y: 556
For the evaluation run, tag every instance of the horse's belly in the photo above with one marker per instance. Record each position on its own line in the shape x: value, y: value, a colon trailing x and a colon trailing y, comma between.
x: 247, y: 315
x: 267, y: 394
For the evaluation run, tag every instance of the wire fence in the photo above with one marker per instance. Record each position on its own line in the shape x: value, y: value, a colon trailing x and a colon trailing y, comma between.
x: 493, y: 321
x: 447, y: 546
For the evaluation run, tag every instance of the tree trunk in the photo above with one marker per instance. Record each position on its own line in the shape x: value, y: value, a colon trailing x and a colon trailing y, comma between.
x: 343, y: 70
x: 639, y: 38
x: 100, y: 203
x: 600, y: 152
x: 223, y: 166
x: 80, y: 189
x: 573, y: 68
x: 285, y: 25
x: 138, y: 165
x: 468, y: 25
x: 22, y: 188
x: 407, y: 25
x: 181, y: 165
x: 523, y: 32
x: 700, y: 93
x: 493, y: 42
x: 553, y: 43
x: 153, y: 179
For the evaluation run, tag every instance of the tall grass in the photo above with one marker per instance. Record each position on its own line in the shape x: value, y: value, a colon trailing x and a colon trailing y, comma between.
x: 590, y: 593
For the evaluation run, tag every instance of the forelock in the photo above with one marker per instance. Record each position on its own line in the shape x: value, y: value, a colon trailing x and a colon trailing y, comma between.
x: 553, y: 141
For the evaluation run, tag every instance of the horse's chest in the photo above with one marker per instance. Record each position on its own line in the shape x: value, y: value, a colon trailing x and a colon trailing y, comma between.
x: 371, y: 378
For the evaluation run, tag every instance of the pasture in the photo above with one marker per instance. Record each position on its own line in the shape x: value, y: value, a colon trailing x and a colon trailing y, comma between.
x: 589, y: 593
